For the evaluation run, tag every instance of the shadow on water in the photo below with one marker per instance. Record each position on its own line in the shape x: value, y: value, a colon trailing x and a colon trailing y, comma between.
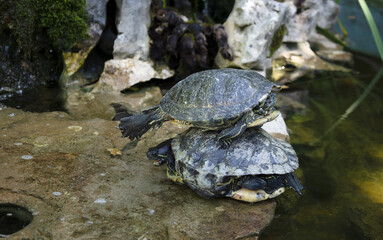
x: 342, y: 172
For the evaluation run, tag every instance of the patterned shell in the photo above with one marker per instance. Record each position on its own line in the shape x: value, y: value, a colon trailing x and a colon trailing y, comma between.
x: 255, y: 152
x: 215, y: 94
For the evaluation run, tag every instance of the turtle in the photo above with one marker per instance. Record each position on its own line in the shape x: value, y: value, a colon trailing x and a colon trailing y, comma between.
x: 253, y: 168
x: 228, y: 99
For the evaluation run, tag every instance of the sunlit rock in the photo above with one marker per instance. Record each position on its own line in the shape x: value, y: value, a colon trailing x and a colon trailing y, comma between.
x: 119, y: 75
x: 250, y: 28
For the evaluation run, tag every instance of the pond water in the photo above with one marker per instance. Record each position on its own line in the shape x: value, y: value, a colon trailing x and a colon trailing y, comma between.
x: 343, y: 170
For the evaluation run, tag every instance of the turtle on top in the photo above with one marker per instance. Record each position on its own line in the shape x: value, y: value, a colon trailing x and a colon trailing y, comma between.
x: 229, y: 100
x: 255, y: 167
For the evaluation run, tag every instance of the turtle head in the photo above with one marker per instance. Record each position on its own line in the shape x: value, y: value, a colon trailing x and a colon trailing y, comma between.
x: 162, y: 153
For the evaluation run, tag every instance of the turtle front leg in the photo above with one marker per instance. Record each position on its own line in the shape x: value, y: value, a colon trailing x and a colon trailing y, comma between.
x: 227, y: 134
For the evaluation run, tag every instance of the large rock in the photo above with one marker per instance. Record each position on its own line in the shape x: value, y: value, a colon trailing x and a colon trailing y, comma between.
x: 301, y: 26
x: 60, y: 170
x: 328, y: 11
x: 119, y: 75
x: 96, y: 10
x: 250, y: 29
x: 133, y: 21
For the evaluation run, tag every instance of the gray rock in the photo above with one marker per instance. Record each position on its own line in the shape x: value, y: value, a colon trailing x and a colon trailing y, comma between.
x: 320, y: 42
x: 132, y: 22
x: 302, y: 26
x: 250, y: 29
x: 328, y: 11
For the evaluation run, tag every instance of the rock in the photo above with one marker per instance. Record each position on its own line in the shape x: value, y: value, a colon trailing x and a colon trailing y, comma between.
x: 294, y: 60
x: 328, y: 11
x: 301, y: 26
x: 98, y: 104
x: 77, y: 190
x: 337, y: 56
x: 119, y: 75
x: 96, y: 10
x: 318, y: 41
x: 132, y: 22
x: 277, y: 128
x: 250, y: 29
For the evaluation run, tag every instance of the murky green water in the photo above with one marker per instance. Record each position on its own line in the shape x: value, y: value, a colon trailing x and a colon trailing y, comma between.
x: 342, y: 171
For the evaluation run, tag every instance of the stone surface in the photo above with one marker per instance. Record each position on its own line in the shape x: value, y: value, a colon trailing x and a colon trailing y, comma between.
x: 98, y: 104
x: 277, y: 128
x: 133, y: 20
x: 106, y: 197
x: 301, y: 26
x: 250, y: 28
x: 119, y: 75
x: 328, y: 11
x: 320, y: 42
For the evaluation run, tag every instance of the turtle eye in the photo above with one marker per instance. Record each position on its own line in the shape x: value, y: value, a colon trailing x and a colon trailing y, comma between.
x: 152, y: 154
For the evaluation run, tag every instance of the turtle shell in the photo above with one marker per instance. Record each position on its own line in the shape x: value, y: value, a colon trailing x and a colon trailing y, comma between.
x: 215, y: 94
x: 255, y: 152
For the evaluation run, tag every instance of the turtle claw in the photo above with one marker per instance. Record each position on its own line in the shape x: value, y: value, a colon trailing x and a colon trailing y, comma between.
x: 224, y: 143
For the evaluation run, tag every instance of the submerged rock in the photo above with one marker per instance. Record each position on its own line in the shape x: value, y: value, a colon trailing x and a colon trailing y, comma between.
x: 295, y: 60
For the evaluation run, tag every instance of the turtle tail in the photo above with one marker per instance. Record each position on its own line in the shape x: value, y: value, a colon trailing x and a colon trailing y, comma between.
x: 135, y: 126
x: 293, y: 182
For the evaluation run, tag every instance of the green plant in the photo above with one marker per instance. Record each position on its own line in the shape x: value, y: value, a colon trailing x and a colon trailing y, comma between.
x: 378, y: 76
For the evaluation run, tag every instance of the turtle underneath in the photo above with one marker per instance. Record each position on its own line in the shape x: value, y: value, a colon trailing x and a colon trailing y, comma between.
x: 229, y: 100
x: 253, y: 168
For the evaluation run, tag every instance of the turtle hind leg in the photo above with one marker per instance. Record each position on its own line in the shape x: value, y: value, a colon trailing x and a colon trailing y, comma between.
x: 135, y: 126
x: 293, y: 181
x: 226, y: 135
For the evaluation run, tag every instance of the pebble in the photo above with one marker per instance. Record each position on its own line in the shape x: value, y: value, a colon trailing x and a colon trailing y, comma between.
x: 100, y: 200
x: 75, y: 128
x: 18, y: 144
x: 57, y: 193
x: 27, y: 157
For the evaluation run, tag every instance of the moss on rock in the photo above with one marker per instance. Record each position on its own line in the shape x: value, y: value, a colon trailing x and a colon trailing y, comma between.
x: 38, y: 23
x: 277, y: 39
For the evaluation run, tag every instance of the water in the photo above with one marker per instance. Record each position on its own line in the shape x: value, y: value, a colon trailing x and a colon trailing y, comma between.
x: 342, y: 171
